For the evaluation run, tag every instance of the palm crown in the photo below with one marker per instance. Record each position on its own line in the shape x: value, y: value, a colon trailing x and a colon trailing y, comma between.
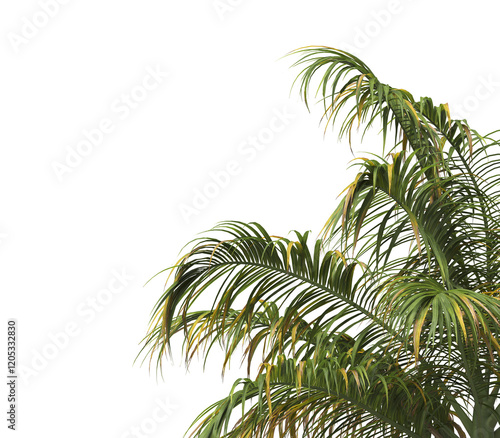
x: 388, y: 324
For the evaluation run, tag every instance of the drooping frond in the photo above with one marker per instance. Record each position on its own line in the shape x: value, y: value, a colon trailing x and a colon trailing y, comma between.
x: 285, y: 291
x: 345, y: 79
x: 334, y: 395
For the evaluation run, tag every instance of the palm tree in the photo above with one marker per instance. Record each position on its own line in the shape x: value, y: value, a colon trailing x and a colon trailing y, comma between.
x: 387, y: 325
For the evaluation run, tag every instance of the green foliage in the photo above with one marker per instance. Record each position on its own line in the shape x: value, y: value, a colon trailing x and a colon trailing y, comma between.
x: 386, y: 326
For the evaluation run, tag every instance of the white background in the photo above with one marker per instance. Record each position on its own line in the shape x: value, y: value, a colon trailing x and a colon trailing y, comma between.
x: 118, y: 209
